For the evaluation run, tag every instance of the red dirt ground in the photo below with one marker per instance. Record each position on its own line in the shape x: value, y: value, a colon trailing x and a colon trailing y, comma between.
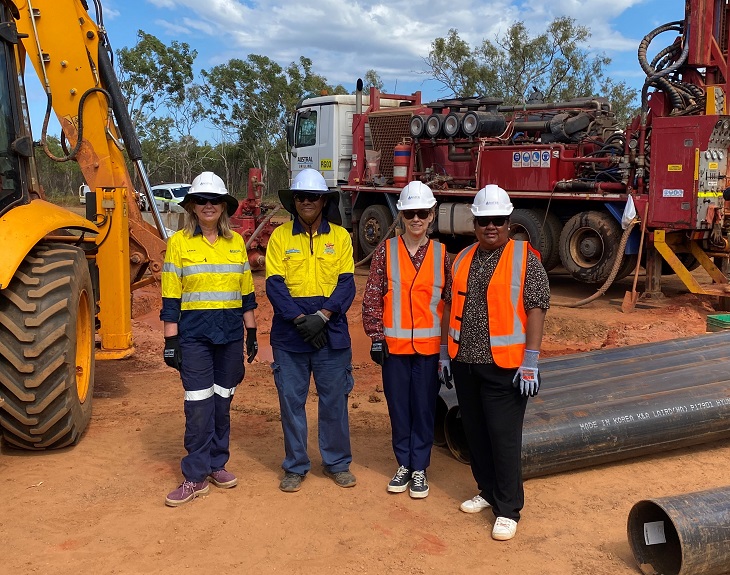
x: 98, y: 507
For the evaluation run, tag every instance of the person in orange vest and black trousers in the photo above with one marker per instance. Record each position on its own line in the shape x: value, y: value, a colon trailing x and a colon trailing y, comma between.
x: 500, y: 295
x: 402, y: 310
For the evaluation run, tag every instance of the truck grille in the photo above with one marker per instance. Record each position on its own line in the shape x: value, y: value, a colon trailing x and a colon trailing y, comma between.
x: 388, y: 130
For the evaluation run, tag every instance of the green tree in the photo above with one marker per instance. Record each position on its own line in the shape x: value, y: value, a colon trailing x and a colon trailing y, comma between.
x: 372, y: 80
x: 154, y: 76
x: 249, y: 101
x: 515, y: 64
x: 59, y: 179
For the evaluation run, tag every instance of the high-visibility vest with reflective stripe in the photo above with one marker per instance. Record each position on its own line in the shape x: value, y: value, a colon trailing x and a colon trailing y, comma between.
x: 206, y: 276
x: 413, y: 306
x: 505, y: 307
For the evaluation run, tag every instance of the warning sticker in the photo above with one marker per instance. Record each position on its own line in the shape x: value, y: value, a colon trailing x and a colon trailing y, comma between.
x: 545, y: 159
x: 525, y: 159
x: 516, y: 160
x: 536, y: 159
x: 672, y: 193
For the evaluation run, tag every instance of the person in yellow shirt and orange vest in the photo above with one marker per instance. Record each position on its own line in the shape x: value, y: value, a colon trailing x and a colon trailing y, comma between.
x: 500, y: 295
x: 402, y: 311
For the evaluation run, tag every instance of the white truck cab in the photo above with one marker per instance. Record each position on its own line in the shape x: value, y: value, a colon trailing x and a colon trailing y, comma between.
x: 321, y: 138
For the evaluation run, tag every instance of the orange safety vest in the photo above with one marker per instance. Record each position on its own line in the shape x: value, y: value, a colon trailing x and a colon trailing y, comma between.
x: 505, y: 307
x: 413, y: 306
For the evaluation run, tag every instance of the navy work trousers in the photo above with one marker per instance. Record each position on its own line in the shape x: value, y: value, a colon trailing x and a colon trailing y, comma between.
x: 332, y: 371
x: 210, y: 373
x: 492, y: 413
x: 411, y: 386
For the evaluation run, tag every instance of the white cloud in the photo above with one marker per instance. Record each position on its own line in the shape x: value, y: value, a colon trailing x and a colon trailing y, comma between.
x: 344, y: 39
x: 162, y: 3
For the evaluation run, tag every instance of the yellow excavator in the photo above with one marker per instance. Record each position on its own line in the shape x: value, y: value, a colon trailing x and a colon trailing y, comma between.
x: 65, y: 280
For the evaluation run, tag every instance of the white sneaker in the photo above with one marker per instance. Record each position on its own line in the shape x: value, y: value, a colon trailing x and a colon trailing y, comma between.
x: 474, y: 505
x: 504, y: 529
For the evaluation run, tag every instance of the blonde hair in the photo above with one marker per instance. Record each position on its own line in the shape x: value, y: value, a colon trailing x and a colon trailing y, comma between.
x: 191, y: 222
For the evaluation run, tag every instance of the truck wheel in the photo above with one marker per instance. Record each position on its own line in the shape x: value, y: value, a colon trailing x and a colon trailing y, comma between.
x: 527, y: 225
x: 374, y: 224
x: 47, y: 349
x: 552, y: 228
x: 589, y: 245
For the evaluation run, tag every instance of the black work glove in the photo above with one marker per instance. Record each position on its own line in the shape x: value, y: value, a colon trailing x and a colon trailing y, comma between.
x: 172, y: 353
x: 319, y: 340
x: 379, y: 351
x: 310, y: 326
x: 252, y: 346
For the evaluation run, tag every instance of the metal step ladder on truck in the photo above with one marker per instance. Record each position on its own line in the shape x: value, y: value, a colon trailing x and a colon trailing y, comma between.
x: 569, y: 167
x: 65, y: 280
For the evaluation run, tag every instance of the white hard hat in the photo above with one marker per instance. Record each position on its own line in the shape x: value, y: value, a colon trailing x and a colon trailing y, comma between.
x: 309, y: 180
x: 210, y: 185
x: 416, y: 196
x: 491, y: 200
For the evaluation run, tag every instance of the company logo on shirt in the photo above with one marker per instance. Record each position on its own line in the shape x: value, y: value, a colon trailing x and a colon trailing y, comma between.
x: 235, y: 251
x: 293, y: 251
x: 329, y: 249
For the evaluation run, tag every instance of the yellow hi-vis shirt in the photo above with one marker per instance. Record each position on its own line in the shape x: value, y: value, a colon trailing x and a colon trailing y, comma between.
x: 205, y: 276
x: 309, y: 270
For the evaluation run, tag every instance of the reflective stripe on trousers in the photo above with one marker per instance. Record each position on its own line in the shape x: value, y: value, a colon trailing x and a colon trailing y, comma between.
x: 210, y: 374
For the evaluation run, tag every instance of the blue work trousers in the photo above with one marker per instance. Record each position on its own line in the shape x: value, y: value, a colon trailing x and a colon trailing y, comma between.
x: 210, y: 373
x: 332, y: 371
x: 411, y: 386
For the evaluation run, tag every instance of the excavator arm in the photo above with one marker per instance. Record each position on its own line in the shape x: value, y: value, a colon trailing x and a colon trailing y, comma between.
x: 71, y: 57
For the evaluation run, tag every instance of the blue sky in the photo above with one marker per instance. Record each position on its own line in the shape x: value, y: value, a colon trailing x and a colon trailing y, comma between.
x: 345, y: 39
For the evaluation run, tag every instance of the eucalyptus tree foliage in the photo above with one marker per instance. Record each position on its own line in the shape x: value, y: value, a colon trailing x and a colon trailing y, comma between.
x: 154, y: 77
x: 373, y: 80
x: 59, y: 179
x: 251, y: 100
x: 516, y: 65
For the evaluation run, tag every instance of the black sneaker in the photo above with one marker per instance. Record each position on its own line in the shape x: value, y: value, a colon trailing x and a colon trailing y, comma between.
x: 291, y: 482
x: 419, y: 485
x: 400, y: 480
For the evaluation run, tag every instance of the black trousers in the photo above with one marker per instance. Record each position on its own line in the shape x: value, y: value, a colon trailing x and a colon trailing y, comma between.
x: 492, y: 413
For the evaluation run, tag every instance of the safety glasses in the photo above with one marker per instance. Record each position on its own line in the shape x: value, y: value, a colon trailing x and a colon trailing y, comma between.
x: 484, y: 221
x: 302, y: 197
x: 201, y: 201
x: 410, y: 214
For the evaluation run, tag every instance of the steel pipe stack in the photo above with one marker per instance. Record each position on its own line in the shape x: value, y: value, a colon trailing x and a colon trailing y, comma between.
x: 609, y: 405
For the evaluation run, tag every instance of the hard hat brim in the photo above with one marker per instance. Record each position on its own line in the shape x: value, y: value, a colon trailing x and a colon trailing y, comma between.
x: 487, y: 212
x: 286, y: 197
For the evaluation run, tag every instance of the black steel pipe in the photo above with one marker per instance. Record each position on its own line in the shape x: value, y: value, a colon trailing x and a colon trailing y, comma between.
x: 610, y: 431
x: 682, y: 535
x: 615, y: 404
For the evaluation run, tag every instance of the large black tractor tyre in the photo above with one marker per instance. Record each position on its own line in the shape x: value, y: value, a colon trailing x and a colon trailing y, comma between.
x: 589, y: 246
x: 373, y: 226
x: 47, y: 349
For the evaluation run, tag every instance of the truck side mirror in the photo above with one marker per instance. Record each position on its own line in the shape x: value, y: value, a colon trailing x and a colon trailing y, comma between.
x: 290, y: 135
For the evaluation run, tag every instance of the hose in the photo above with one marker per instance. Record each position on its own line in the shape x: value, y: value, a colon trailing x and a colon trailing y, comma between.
x: 614, y: 270
x: 263, y: 223
x: 80, y: 135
